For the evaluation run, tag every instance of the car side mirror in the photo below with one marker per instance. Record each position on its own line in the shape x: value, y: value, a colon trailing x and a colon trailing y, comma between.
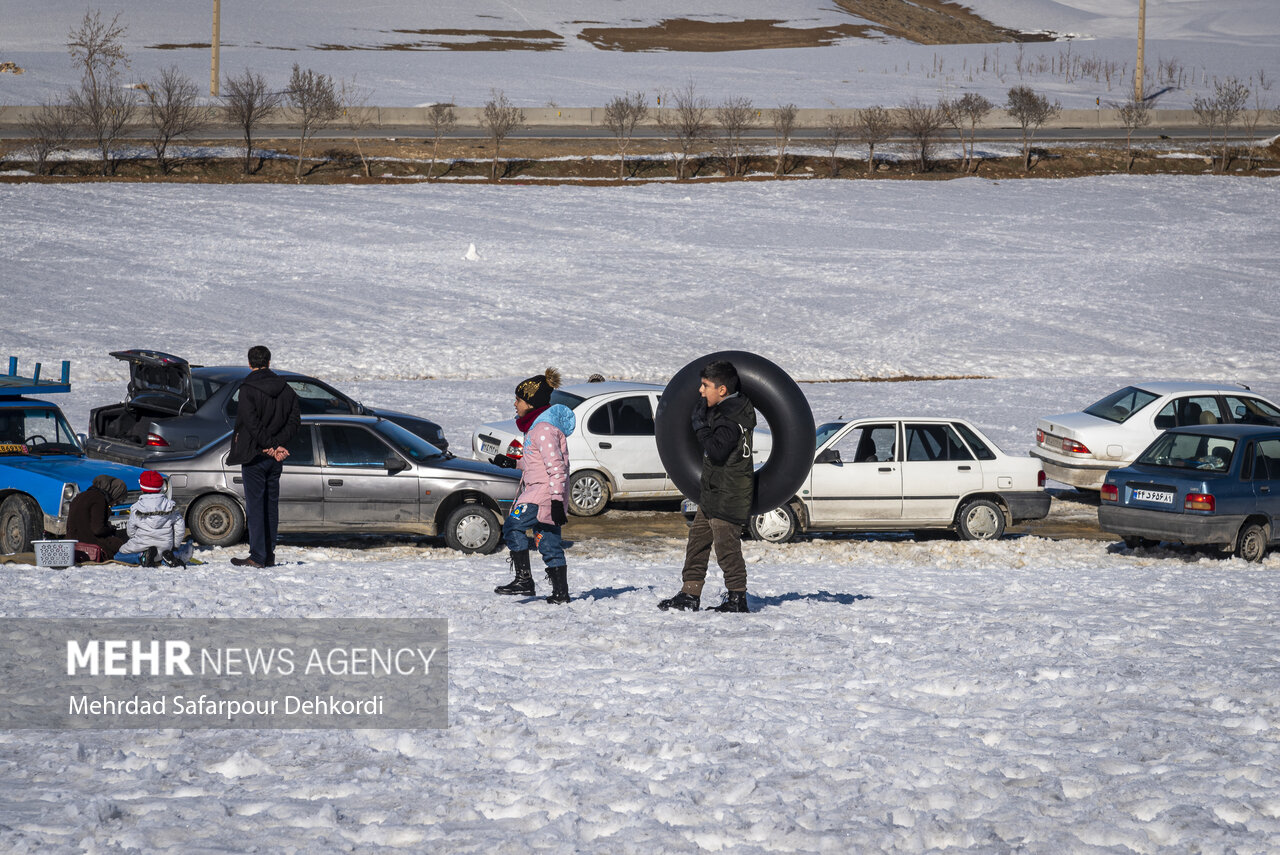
x: 828, y: 455
x: 395, y: 464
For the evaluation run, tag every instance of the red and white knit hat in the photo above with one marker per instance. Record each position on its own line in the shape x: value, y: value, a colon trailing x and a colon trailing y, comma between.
x: 151, y: 481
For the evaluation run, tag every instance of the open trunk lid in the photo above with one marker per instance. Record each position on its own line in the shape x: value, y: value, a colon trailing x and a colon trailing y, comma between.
x: 158, y: 382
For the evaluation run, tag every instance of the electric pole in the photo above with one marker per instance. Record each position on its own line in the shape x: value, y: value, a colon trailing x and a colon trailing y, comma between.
x: 1142, y: 37
x: 216, y: 44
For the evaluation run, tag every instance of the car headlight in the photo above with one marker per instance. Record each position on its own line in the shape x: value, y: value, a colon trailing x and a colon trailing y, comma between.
x: 69, y: 492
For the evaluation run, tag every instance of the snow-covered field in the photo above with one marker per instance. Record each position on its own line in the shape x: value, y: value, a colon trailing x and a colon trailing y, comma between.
x: 1197, y: 39
x: 886, y: 695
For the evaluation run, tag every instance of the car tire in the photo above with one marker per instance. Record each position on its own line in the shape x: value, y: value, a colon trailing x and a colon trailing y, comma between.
x: 588, y: 493
x: 774, y: 394
x: 980, y: 519
x: 473, y: 528
x: 21, y: 522
x: 216, y: 520
x: 776, y: 526
x: 1251, y: 542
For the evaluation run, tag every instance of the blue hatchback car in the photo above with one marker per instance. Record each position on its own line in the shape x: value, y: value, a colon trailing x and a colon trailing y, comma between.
x: 1216, y: 485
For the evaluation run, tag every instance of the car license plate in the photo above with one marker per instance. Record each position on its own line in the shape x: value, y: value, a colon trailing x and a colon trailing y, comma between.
x: 688, y: 507
x: 1160, y: 496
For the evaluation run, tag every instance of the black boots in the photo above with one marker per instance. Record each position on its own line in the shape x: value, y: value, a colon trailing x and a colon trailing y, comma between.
x: 171, y: 560
x: 681, y: 602
x: 736, y: 601
x: 148, y: 557
x: 559, y: 578
x: 522, y: 584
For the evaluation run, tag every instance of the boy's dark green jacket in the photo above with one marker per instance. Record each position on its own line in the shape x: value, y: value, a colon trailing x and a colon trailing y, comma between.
x: 728, y: 474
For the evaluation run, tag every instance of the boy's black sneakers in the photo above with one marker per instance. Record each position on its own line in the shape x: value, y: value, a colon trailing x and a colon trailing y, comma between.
x: 680, y: 602
x: 735, y: 601
x: 171, y: 560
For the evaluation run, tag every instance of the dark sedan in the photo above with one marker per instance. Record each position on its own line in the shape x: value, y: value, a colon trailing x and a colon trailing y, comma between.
x: 352, y: 474
x: 172, y: 407
x: 1216, y: 485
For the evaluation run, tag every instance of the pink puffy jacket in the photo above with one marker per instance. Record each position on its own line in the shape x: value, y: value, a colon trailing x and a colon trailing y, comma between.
x: 545, y: 464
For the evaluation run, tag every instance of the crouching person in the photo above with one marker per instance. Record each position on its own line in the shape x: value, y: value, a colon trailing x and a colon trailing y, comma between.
x: 540, y: 503
x: 156, y: 529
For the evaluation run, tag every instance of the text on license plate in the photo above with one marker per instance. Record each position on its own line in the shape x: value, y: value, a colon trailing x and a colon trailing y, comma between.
x: 489, y: 447
x: 1161, y: 496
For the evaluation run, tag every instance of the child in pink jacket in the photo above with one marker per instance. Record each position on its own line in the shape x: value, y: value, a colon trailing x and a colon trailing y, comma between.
x: 540, y: 505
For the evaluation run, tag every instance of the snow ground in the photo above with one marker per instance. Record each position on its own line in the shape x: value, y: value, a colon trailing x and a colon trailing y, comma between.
x: 887, y: 695
x: 1203, y: 39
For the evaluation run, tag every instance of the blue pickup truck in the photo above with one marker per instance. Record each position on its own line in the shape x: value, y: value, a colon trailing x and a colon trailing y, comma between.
x: 42, y: 466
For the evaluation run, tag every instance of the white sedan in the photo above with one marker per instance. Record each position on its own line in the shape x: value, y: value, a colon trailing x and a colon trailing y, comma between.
x: 1081, y: 448
x: 904, y: 474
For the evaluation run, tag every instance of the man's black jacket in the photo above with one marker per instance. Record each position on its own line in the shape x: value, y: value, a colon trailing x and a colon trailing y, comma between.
x: 268, y: 416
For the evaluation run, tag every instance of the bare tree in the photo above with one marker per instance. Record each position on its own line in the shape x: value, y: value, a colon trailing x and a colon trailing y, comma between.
x: 1231, y: 96
x: 500, y: 118
x: 1251, y: 117
x: 735, y: 116
x: 315, y: 99
x: 873, y: 126
x: 921, y: 123
x: 1030, y: 110
x: 356, y: 115
x: 1134, y: 113
x: 837, y: 129
x: 686, y: 119
x: 1208, y: 117
x: 964, y: 114
x: 49, y: 129
x: 441, y: 119
x: 173, y: 111
x: 621, y: 115
x: 249, y: 102
x: 784, y: 125
x: 101, y: 104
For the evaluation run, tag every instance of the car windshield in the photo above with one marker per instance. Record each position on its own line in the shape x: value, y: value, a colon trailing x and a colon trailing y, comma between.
x: 826, y: 431
x: 569, y: 399
x: 1120, y: 406
x: 36, y: 430
x: 409, y: 444
x: 1190, y: 451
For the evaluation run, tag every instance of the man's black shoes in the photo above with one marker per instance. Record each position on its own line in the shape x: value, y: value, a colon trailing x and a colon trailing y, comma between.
x: 735, y: 601
x: 246, y: 562
x: 680, y: 602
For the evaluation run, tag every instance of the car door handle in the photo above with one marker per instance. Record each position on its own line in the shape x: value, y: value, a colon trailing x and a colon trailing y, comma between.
x: 606, y: 445
x: 237, y: 480
x: 335, y: 482
x: 963, y: 468
x: 886, y: 468
x: 1264, y: 489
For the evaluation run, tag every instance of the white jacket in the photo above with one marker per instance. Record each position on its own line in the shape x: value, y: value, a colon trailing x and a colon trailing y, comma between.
x: 154, y: 520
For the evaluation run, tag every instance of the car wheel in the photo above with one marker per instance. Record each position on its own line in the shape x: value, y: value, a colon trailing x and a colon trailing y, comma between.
x: 216, y: 520
x: 980, y: 519
x: 21, y: 522
x: 1251, y: 543
x: 473, y: 528
x: 588, y: 493
x: 776, y: 526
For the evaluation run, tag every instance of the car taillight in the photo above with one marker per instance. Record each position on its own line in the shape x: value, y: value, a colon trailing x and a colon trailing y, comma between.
x: 1070, y: 446
x: 1110, y: 493
x: 1198, y: 502
x: 515, y: 450
x: 1040, y: 478
x: 1039, y: 436
x: 155, y: 439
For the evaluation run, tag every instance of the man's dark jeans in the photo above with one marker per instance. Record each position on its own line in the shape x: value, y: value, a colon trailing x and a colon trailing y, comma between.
x: 262, y: 507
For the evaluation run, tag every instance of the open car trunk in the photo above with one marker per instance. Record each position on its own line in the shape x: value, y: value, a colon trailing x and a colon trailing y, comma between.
x: 159, y: 387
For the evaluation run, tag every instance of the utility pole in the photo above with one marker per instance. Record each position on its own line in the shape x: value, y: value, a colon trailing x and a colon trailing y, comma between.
x: 216, y: 44
x: 1142, y: 37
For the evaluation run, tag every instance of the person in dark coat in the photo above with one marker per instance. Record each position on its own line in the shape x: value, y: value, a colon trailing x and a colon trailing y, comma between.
x: 89, y: 515
x: 723, y: 421
x: 268, y: 417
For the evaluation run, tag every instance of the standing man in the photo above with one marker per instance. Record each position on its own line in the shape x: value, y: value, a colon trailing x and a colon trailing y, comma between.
x: 723, y: 421
x: 266, y: 419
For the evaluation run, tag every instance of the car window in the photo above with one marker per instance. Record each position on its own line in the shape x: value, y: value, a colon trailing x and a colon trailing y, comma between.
x: 631, y: 416
x: 36, y: 430
x: 313, y: 399
x: 827, y: 430
x: 935, y: 442
x: 1190, y: 451
x: 979, y: 447
x: 1266, y: 460
x: 875, y: 443
x: 407, y: 442
x: 301, y: 448
x: 350, y: 445
x: 1197, y: 410
x: 569, y: 399
x: 202, y: 389
x: 1252, y: 411
x: 1120, y: 406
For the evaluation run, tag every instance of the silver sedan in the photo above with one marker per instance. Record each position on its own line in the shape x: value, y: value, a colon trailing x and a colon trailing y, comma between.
x: 351, y: 474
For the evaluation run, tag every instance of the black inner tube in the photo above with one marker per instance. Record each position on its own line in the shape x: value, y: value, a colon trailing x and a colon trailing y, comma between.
x: 776, y: 397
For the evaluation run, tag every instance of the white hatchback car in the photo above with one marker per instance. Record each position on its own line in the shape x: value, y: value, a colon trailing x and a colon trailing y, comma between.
x: 612, y: 451
x: 904, y: 474
x: 1081, y: 448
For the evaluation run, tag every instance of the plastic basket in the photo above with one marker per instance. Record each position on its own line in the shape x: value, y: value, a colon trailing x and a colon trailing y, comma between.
x: 55, y: 553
